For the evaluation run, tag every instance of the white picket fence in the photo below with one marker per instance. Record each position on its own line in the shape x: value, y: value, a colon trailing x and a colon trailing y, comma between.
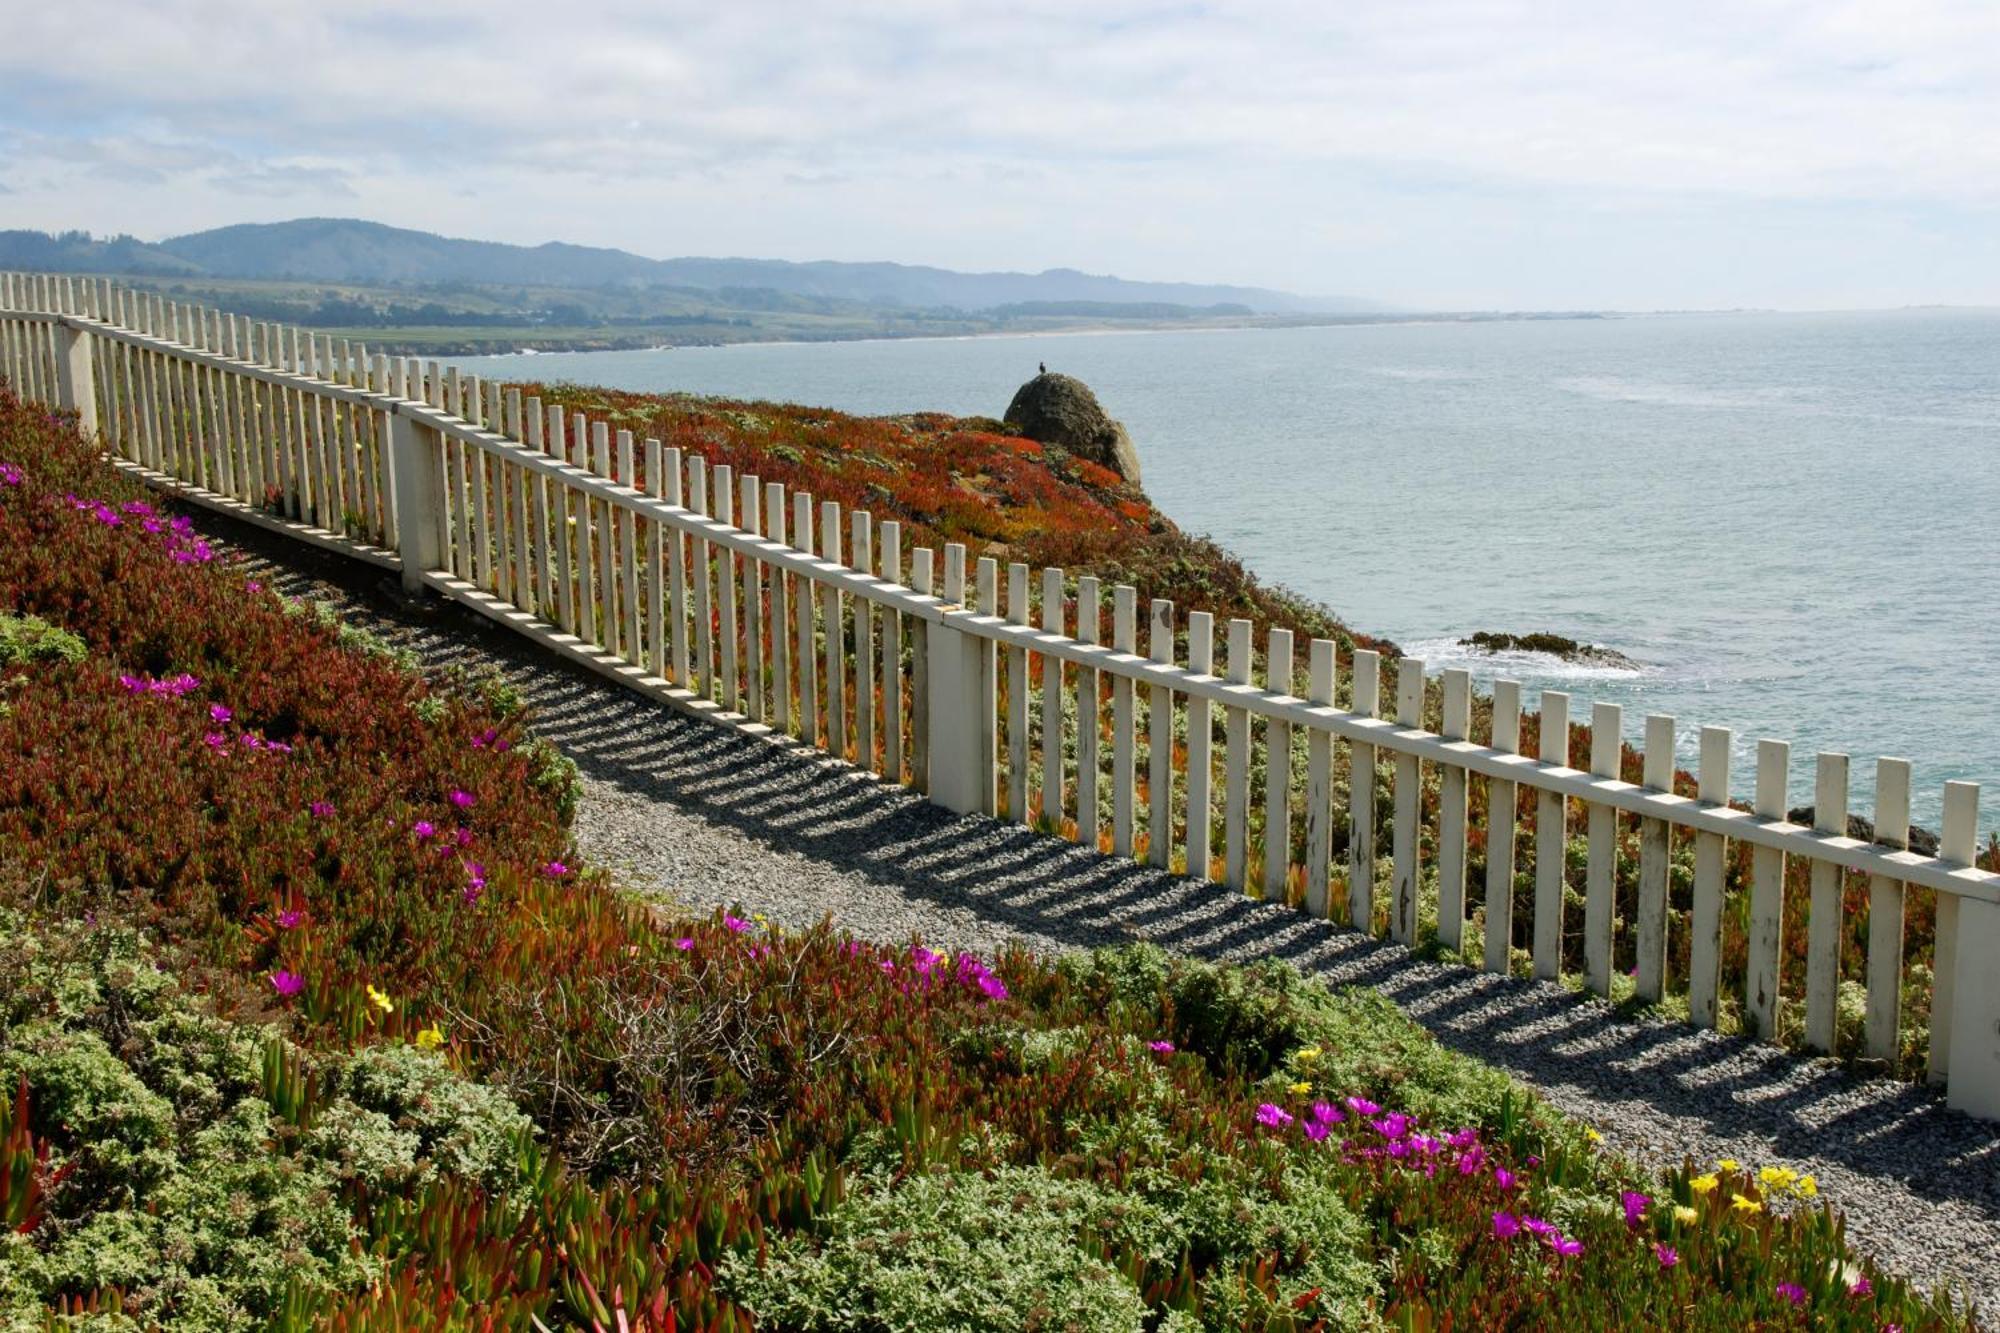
x: 725, y: 597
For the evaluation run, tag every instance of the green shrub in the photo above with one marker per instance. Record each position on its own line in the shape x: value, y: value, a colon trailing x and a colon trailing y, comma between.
x: 25, y: 639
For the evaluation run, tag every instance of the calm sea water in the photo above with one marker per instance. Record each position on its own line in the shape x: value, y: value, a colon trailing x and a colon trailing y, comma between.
x: 1789, y: 520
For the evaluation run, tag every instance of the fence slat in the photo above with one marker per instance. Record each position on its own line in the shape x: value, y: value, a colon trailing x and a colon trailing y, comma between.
x: 1277, y: 772
x: 1958, y: 840
x: 1655, y: 853
x: 628, y: 556
x: 610, y: 627
x: 1406, y: 872
x: 724, y: 508
x: 862, y: 538
x: 752, y: 571
x: 1882, y: 1039
x: 1551, y: 840
x: 781, y: 619
x: 1052, y: 701
x: 673, y: 472
x: 805, y: 661
x: 1600, y: 883
x: 1823, y: 920
x: 833, y: 626
x: 892, y: 657
x: 564, y: 521
x: 699, y: 572
x: 1017, y: 699
x: 923, y: 572
x: 1500, y: 803
x: 1767, y: 898
x: 1236, y: 763
x: 1124, y: 748
x: 1456, y: 725
x: 1321, y: 656
x: 1160, y: 740
x: 1710, y: 852
x: 988, y: 588
x: 1088, y: 721
x: 658, y: 652
x: 1200, y: 767
x: 1366, y: 702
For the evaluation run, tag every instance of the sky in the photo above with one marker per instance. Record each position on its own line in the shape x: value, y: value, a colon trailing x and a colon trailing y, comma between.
x: 1457, y: 154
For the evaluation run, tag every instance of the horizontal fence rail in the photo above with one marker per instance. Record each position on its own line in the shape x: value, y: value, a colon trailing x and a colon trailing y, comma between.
x: 1030, y: 695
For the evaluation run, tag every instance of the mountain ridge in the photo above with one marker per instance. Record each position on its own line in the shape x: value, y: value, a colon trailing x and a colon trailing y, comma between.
x: 357, y: 250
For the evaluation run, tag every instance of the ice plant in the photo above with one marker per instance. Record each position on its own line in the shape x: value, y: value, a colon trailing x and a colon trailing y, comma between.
x: 1273, y: 1117
x: 1635, y: 1207
x: 221, y: 712
x: 1503, y: 1177
x: 430, y: 1037
x: 554, y: 869
x: 10, y: 474
x: 290, y: 918
x: 684, y: 942
x: 1566, y: 1247
x: 464, y: 800
x: 321, y: 809
x: 381, y: 1001
x: 1792, y: 1292
x: 1704, y: 1184
x: 1362, y: 1106
x: 1743, y: 1203
x: 1667, y: 1255
x: 423, y: 828
x: 1161, y: 1047
x: 735, y: 923
x: 287, y: 983
x: 1506, y: 1226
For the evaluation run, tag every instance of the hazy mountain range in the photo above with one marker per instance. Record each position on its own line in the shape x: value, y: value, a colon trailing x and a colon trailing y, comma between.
x: 347, y: 250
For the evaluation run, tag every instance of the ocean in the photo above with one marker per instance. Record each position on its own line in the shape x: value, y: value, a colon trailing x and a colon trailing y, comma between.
x: 1788, y: 521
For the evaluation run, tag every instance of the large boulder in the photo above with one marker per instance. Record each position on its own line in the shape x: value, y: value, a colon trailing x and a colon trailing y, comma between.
x: 1061, y: 410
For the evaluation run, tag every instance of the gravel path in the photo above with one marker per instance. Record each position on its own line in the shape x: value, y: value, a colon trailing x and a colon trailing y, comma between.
x: 703, y: 817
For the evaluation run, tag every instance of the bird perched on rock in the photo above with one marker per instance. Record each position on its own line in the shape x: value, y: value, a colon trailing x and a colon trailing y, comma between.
x: 1043, y: 366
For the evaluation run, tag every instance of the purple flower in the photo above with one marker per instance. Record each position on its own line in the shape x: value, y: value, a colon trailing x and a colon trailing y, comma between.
x: 1317, y: 1130
x: 132, y: 683
x: 1667, y: 1255
x: 1792, y: 1292
x: 735, y: 923
x: 1565, y: 1247
x: 251, y: 740
x: 1506, y: 1226
x: 1538, y: 1226
x: 215, y: 740
x: 1161, y: 1047
x: 253, y: 586
x: 1391, y: 1126
x: 684, y: 943
x: 1503, y: 1177
x: 462, y: 837
x: 423, y: 828
x: 321, y: 809
x: 1326, y: 1113
x: 555, y: 869
x: 1471, y: 1160
x: 1273, y: 1117
x: 10, y: 474
x: 1635, y: 1207
x: 472, y: 891
x: 181, y: 523
x: 992, y: 987
x: 462, y: 799
x: 287, y: 983
x: 1861, y: 1287
x: 289, y: 918
x: 220, y: 712
x: 1362, y: 1106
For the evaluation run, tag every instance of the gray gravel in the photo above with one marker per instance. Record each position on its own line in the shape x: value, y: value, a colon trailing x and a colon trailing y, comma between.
x: 703, y: 817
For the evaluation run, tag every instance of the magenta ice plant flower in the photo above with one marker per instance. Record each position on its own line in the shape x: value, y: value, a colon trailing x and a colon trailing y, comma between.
x: 287, y: 983
x: 1634, y: 1204
x: 735, y: 923
x: 464, y: 800
x: 321, y: 809
x: 290, y: 918
x: 1538, y: 1226
x: 684, y: 943
x: 10, y: 474
x: 1792, y: 1292
x: 1667, y: 1255
x: 423, y: 828
x: 1861, y: 1287
x: 1273, y: 1117
x: 221, y: 712
x: 1161, y: 1047
x: 1362, y: 1106
x: 1506, y: 1226
x: 1566, y: 1247
x: 554, y: 869
x: 1504, y: 1178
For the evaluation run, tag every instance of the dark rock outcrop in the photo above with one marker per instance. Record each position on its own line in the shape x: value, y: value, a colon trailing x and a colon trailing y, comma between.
x: 1555, y: 645
x: 1061, y: 410
x: 1922, y: 841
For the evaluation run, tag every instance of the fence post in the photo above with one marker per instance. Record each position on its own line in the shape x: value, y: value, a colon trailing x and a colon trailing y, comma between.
x: 960, y: 779
x: 75, y: 382
x: 413, y: 477
x: 1965, y: 1031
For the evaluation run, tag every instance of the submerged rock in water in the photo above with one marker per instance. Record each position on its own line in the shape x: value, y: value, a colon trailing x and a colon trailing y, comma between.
x: 1555, y: 645
x: 1061, y: 410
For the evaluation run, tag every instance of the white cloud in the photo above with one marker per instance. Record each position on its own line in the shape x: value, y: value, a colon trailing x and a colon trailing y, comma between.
x: 1459, y: 152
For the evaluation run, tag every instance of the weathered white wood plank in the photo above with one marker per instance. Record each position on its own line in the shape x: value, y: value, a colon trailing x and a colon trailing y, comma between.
x: 1500, y: 802
x: 610, y: 628
x: 1320, y: 658
x: 805, y: 661
x: 1600, y: 882
x: 923, y: 572
x: 1018, y: 722
x: 752, y: 488
x: 1160, y: 741
x: 679, y: 636
x: 1655, y: 864
x: 1710, y: 864
x: 1958, y: 841
x: 659, y: 652
x: 1824, y: 913
x: 725, y: 587
x: 1236, y: 763
x: 1882, y: 1039
x: 1367, y: 702
x: 564, y: 522
x: 1088, y: 720
x: 701, y: 575
x: 631, y: 640
x: 1277, y: 772
x: 862, y: 539
x: 1767, y: 898
x: 892, y: 658
x: 1406, y: 842
x: 834, y: 627
x: 1551, y: 840
x: 1052, y: 702
x: 1456, y: 724
x: 988, y: 588
x: 1124, y: 742
x: 1200, y: 736
x: 781, y: 612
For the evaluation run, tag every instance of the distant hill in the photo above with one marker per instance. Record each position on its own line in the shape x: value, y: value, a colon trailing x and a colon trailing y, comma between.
x: 348, y: 250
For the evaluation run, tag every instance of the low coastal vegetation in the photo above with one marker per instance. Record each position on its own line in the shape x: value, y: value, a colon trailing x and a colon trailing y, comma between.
x: 310, y: 1016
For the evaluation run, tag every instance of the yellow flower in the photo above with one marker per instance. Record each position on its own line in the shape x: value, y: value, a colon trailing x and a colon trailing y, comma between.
x: 1685, y: 1215
x: 1806, y: 1187
x: 1777, y: 1177
x: 1308, y: 1054
x: 430, y: 1037
x: 1703, y: 1184
x: 1301, y: 1088
x: 1744, y: 1204
x: 1592, y: 1135
x: 381, y: 1001
x: 1727, y: 1164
